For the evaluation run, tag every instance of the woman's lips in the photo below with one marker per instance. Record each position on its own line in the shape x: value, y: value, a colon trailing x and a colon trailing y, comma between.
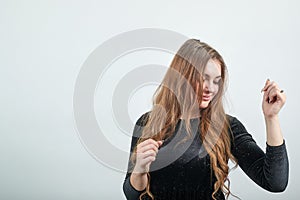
x: 205, y: 98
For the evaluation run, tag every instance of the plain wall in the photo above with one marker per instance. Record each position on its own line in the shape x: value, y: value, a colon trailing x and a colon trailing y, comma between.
x: 44, y: 44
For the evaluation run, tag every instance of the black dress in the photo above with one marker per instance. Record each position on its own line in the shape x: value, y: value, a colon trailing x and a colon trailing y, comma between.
x: 184, y: 172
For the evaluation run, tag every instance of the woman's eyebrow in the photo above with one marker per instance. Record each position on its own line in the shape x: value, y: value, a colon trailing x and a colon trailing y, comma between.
x: 206, y: 75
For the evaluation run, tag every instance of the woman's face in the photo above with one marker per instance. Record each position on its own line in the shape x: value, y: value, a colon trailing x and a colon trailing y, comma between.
x: 211, y: 80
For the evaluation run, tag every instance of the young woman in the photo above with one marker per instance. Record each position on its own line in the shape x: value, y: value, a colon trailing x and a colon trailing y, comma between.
x: 181, y: 148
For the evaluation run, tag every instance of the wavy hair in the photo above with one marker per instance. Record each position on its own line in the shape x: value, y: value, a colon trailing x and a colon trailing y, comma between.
x: 177, y: 97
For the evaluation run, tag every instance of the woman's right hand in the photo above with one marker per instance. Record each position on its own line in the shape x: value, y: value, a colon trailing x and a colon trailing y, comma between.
x: 145, y: 155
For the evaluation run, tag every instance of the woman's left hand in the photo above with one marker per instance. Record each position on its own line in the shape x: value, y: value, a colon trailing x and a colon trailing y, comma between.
x: 273, y: 99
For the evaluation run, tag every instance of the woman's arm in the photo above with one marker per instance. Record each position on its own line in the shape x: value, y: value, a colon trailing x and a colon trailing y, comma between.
x: 269, y: 170
x: 145, y: 155
x: 129, y: 190
x: 136, y: 178
x: 274, y: 135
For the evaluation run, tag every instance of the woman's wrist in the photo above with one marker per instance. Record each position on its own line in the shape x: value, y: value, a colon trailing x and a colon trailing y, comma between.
x: 274, y: 135
x: 139, y: 181
x: 271, y: 118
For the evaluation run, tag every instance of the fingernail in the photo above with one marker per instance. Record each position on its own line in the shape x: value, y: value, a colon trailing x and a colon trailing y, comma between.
x: 263, y: 89
x: 265, y: 84
x: 161, y: 141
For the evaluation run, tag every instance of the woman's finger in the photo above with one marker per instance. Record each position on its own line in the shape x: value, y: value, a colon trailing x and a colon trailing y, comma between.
x: 148, y: 153
x: 160, y: 142
x: 147, y: 148
x: 148, y: 160
x: 276, y: 95
x: 147, y: 142
x: 271, y: 87
x: 266, y: 84
x: 143, y: 165
x: 270, y: 84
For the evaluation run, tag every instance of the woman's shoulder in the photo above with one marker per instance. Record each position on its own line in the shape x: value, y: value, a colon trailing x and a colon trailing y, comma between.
x: 139, y: 124
x: 233, y: 120
x: 142, y: 120
x: 236, y: 126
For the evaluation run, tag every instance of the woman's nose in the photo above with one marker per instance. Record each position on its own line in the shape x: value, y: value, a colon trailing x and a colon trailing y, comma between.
x: 208, y: 87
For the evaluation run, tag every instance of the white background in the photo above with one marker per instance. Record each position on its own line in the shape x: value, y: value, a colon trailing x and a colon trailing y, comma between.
x: 43, y: 45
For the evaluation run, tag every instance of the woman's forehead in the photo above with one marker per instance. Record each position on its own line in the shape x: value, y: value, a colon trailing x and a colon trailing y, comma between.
x: 213, y: 68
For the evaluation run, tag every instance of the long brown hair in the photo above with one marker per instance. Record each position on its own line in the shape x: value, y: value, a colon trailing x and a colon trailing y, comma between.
x: 175, y: 97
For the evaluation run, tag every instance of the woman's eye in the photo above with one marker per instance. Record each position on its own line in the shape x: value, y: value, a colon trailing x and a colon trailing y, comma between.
x: 217, y: 82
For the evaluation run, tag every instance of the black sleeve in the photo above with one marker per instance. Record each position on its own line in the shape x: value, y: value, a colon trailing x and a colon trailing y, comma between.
x: 269, y: 170
x: 130, y: 192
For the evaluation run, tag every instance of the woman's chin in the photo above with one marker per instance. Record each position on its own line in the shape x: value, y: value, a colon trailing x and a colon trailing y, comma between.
x: 204, y: 104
